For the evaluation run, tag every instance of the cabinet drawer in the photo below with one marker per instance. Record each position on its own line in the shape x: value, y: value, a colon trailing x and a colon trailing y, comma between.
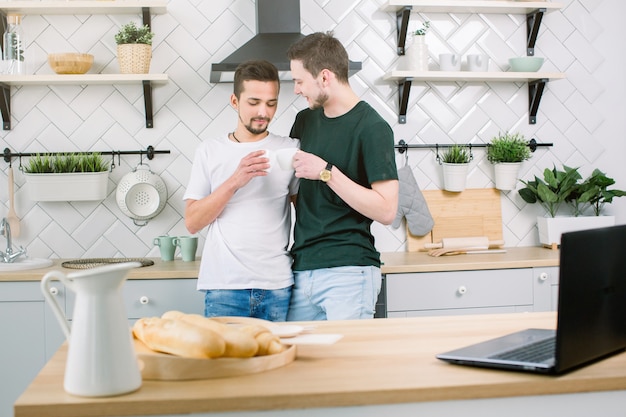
x: 148, y: 298
x: 458, y: 290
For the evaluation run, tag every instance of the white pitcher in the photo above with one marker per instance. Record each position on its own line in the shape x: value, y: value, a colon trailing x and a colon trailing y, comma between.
x: 101, y: 360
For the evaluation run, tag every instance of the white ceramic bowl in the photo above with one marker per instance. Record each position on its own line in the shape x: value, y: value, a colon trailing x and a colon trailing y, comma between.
x: 526, y: 63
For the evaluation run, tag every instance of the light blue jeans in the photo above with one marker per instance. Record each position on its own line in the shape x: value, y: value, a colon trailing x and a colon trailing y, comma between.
x: 262, y: 304
x: 341, y: 293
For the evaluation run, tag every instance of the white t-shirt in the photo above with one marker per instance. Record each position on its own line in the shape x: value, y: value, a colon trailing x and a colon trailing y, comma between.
x: 247, y: 245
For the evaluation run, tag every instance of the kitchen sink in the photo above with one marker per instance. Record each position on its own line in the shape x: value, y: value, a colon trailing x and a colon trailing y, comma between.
x: 22, y: 264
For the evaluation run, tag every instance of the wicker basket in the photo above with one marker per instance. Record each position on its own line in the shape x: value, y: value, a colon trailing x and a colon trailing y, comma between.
x: 134, y: 58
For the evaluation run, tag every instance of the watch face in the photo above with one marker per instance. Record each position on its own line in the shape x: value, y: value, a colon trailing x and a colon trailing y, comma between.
x: 325, y: 175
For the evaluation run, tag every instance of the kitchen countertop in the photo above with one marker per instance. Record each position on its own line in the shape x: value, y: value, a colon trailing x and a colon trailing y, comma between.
x: 377, y: 362
x: 393, y: 262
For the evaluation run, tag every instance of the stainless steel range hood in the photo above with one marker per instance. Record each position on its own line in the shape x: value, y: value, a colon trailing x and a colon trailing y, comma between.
x: 278, y: 26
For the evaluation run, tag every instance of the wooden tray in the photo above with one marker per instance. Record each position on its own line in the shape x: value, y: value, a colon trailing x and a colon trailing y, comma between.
x: 164, y: 367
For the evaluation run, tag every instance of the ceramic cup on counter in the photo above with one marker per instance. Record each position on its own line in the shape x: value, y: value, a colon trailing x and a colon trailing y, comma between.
x: 478, y: 62
x: 285, y: 158
x: 449, y: 62
x: 188, y: 246
x: 166, y: 246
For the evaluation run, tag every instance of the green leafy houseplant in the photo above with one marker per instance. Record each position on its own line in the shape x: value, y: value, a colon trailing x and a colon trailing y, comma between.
x: 456, y: 154
x: 66, y: 163
x: 508, y: 147
x: 131, y: 33
x: 554, y: 189
x: 593, y: 192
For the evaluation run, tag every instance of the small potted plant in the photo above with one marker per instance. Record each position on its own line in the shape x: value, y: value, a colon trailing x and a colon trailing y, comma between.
x: 566, y: 186
x: 417, y: 52
x: 507, y: 152
x: 134, y: 48
x: 67, y: 177
x: 455, y: 162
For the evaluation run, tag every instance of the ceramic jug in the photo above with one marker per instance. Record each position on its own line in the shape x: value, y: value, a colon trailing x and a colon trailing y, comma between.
x: 101, y: 359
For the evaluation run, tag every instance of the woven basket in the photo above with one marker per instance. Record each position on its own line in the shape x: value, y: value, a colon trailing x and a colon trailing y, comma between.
x: 134, y: 58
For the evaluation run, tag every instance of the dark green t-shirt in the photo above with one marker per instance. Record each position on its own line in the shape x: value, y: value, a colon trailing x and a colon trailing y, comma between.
x: 329, y: 233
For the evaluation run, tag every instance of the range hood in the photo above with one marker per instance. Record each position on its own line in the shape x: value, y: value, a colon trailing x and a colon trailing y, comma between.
x: 278, y: 26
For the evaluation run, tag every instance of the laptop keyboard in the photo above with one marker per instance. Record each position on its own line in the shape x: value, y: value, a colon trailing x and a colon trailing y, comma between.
x: 536, y: 352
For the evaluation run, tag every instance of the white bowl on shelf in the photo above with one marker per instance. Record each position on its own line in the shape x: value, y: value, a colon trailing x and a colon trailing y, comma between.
x: 526, y: 63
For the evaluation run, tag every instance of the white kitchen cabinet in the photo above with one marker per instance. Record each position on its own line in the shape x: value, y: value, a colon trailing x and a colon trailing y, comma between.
x: 143, y: 7
x: 534, y: 11
x: 470, y: 292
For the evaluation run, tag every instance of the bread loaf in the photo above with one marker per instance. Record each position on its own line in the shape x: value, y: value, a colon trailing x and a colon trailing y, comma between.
x: 179, y: 338
x: 269, y: 343
x: 238, y: 344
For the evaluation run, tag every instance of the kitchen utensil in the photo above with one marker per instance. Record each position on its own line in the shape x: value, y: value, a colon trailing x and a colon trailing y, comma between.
x: 526, y: 63
x: 477, y: 62
x: 141, y: 194
x: 449, y: 62
x: 478, y: 243
x: 100, y: 360
x: 188, y: 246
x: 14, y: 221
x: 166, y: 247
x: 462, y: 251
x: 70, y: 62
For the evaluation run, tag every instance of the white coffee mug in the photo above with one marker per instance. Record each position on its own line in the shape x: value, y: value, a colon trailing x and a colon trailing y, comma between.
x: 478, y: 62
x: 272, y: 159
x: 449, y: 62
x: 285, y: 158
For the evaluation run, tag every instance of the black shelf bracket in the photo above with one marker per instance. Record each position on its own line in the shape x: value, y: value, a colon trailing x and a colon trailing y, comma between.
x: 145, y: 14
x: 533, y: 21
x: 402, y: 25
x: 535, y: 91
x: 404, y: 90
x: 5, y: 106
x: 147, y: 100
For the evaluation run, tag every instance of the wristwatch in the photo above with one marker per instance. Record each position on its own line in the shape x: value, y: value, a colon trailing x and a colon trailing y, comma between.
x: 326, y: 175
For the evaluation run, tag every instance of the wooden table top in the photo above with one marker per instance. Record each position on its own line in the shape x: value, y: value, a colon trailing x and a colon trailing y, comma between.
x: 379, y: 361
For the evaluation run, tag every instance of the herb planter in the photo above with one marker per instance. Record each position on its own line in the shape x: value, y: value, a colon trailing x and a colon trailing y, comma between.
x: 506, y: 175
x: 134, y: 58
x: 454, y: 176
x: 551, y: 228
x: 74, y: 186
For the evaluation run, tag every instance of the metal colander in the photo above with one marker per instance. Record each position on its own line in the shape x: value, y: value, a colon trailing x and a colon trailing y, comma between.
x: 141, y: 194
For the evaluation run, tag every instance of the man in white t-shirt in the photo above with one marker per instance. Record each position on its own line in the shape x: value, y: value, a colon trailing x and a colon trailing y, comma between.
x: 244, y: 200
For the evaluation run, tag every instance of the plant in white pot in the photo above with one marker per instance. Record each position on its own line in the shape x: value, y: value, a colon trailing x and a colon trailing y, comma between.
x: 417, y: 50
x: 67, y: 177
x: 134, y: 48
x: 455, y: 163
x: 507, y: 152
x: 586, y: 196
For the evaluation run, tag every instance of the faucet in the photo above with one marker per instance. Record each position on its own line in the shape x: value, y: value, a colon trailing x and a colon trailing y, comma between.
x: 9, y: 256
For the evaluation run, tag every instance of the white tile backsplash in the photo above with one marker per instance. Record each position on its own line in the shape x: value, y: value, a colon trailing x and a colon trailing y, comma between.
x: 582, y: 115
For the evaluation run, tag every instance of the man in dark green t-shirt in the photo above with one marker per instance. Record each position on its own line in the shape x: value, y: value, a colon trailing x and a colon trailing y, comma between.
x: 349, y: 179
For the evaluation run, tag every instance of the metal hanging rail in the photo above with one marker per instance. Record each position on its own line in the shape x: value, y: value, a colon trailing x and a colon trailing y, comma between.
x: 402, y: 146
x: 149, y: 151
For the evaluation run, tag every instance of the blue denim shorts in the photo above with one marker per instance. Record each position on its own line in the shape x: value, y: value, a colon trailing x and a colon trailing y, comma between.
x: 340, y: 293
x: 262, y: 304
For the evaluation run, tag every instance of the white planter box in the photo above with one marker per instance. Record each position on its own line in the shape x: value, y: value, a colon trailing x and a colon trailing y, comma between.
x: 551, y: 228
x: 83, y: 186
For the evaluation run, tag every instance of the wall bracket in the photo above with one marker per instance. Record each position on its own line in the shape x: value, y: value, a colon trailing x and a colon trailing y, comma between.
x: 533, y: 21
x: 402, y: 25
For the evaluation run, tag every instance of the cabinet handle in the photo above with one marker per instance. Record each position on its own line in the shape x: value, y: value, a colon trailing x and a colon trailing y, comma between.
x: 543, y: 276
x: 462, y: 290
x: 144, y: 300
x: 54, y: 290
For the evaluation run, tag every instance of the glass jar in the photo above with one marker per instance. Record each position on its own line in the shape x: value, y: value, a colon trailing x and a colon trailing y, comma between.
x: 13, y: 46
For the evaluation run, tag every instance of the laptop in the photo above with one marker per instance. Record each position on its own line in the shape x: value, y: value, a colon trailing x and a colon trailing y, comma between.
x: 591, y: 314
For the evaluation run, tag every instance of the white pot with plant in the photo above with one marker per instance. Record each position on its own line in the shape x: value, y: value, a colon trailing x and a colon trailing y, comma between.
x: 507, y: 152
x: 417, y: 51
x: 584, y: 198
x: 455, y: 163
x: 67, y: 177
x: 134, y: 48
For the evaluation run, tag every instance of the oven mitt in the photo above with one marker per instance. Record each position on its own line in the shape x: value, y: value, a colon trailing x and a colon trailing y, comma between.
x: 412, y: 205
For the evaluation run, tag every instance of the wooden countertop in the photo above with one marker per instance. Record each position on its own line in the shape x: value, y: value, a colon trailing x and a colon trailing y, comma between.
x: 379, y: 361
x: 393, y: 262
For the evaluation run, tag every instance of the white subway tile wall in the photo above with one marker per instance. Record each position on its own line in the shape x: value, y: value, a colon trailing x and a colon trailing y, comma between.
x: 189, y: 109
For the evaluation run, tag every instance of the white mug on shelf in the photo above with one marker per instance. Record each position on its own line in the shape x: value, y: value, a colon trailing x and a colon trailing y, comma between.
x: 449, y: 62
x: 477, y: 62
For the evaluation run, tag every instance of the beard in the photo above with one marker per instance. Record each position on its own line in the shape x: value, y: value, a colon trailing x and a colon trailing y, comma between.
x: 259, y: 130
x: 319, y: 101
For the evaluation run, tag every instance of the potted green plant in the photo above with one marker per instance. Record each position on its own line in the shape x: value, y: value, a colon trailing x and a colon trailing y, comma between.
x: 455, y: 162
x: 581, y: 196
x: 506, y: 152
x: 134, y: 48
x: 67, y: 177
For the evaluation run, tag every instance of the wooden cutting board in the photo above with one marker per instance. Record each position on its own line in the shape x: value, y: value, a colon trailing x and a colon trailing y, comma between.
x: 164, y: 367
x: 470, y: 213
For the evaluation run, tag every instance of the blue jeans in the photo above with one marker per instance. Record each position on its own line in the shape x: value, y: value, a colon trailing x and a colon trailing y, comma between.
x: 341, y: 293
x: 262, y: 304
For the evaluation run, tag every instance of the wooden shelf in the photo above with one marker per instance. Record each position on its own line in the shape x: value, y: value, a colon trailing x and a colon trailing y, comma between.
x: 470, y: 6
x: 468, y: 76
x: 82, y: 79
x: 83, y: 7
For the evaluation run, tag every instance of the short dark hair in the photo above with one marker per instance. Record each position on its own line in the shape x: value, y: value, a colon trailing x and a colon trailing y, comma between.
x: 254, y: 70
x: 319, y: 51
